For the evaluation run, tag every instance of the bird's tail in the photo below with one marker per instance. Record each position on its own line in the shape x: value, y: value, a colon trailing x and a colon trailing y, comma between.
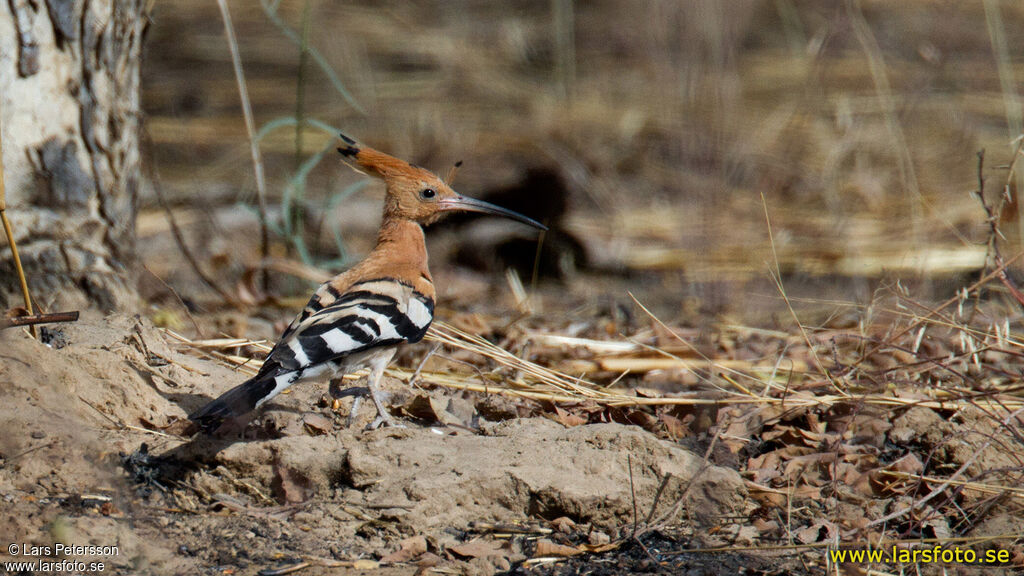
x: 235, y: 403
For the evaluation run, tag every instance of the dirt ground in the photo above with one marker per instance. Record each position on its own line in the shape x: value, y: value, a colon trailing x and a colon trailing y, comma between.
x: 97, y: 452
x: 837, y: 367
x: 85, y: 460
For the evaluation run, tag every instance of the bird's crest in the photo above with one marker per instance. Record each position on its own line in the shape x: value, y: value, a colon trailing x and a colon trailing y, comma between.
x: 414, y: 193
x: 375, y: 161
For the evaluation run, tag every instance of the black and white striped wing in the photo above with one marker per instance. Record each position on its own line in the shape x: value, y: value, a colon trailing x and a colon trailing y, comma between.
x: 367, y: 315
x: 332, y: 327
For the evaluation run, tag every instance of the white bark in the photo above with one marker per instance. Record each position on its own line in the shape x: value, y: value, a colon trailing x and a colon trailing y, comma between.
x: 69, y: 106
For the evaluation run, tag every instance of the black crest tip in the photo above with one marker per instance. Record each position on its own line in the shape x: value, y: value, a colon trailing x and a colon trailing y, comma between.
x: 351, y: 149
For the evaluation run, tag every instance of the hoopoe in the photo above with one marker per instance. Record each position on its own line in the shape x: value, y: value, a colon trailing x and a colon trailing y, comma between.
x: 360, y: 318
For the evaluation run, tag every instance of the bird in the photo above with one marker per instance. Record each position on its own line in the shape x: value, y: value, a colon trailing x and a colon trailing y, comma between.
x: 361, y: 317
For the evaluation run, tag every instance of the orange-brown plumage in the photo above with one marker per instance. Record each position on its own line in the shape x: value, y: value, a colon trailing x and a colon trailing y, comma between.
x: 404, y: 199
x: 401, y: 253
x: 358, y: 318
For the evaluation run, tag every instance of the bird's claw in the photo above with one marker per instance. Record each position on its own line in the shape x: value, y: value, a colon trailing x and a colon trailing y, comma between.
x: 382, y: 420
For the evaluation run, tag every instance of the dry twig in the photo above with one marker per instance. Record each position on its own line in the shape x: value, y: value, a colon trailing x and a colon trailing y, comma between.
x: 250, y: 127
x: 33, y: 319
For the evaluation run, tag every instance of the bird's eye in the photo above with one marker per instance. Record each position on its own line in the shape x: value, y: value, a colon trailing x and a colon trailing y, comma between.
x: 428, y: 193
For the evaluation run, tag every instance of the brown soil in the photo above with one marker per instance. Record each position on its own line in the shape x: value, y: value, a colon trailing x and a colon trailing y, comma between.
x: 84, y: 460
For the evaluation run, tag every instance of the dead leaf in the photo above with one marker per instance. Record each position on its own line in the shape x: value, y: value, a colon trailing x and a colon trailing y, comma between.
x: 427, y: 560
x: 547, y: 548
x: 769, y: 499
x: 787, y: 435
x: 845, y: 472
x: 480, y: 549
x: 675, y: 427
x: 862, y: 484
x: 820, y: 531
x: 1018, y: 558
x: 568, y: 419
x: 408, y: 549
x: 563, y: 524
x: 812, y: 438
x: 810, y: 468
x: 643, y: 419
x: 939, y: 526
x: 858, y: 524
x: 769, y: 460
x: 598, y: 548
x: 815, y: 424
x: 461, y: 409
x: 909, y: 464
x: 806, y: 491
x: 430, y: 409
x: 895, y: 484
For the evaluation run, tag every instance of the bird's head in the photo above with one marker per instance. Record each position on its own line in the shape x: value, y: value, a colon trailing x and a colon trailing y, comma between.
x: 417, y: 194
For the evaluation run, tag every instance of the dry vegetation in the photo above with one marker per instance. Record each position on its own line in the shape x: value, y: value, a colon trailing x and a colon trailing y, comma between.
x: 792, y: 263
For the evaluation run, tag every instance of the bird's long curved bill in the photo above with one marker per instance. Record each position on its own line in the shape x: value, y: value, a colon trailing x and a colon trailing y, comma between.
x: 474, y: 205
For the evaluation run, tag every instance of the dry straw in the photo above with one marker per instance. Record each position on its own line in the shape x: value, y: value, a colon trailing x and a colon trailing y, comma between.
x: 536, y: 382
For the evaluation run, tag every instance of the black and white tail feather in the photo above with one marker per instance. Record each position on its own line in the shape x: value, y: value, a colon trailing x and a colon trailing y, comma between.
x: 335, y: 332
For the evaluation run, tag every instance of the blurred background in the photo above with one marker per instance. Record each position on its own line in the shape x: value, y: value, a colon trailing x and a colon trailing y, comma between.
x: 683, y: 151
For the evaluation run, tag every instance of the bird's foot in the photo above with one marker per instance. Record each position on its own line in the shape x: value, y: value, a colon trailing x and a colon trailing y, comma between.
x: 338, y: 392
x: 379, y: 397
x: 383, y: 419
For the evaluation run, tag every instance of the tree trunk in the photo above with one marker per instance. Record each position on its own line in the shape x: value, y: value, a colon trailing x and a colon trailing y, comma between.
x: 69, y: 96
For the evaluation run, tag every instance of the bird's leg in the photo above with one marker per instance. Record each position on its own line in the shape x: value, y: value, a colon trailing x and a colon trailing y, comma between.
x: 354, y: 411
x: 338, y: 390
x: 373, y: 382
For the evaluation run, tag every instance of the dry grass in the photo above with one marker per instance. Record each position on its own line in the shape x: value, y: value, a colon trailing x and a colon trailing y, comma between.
x: 873, y: 296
